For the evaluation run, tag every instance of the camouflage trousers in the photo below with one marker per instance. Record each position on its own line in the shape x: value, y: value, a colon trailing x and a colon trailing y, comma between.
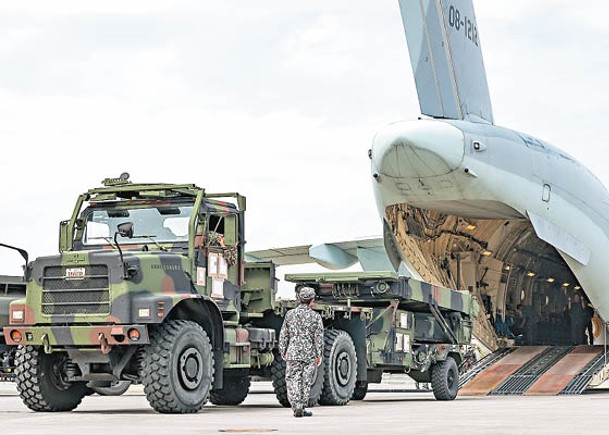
x: 298, y: 378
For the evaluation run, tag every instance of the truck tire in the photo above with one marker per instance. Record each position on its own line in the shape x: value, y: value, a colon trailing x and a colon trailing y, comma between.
x: 40, y: 381
x: 234, y: 390
x: 278, y: 378
x: 177, y: 367
x: 340, y: 372
x: 117, y: 388
x: 445, y: 379
x: 317, y: 386
x: 360, y: 391
x: 281, y: 389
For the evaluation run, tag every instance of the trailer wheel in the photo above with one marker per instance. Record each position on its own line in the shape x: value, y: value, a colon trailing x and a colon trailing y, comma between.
x: 177, y: 367
x: 117, y: 388
x: 340, y: 363
x: 281, y: 389
x: 41, y: 381
x: 445, y: 379
x: 234, y: 390
x: 360, y: 391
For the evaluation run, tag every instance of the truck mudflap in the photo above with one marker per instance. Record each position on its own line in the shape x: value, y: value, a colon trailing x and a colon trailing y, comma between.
x: 104, y: 336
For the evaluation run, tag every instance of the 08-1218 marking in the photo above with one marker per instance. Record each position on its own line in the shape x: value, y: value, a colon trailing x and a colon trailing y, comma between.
x: 461, y: 22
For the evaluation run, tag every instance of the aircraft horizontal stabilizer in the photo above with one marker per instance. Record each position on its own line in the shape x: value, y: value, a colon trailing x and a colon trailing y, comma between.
x: 370, y: 253
x: 446, y: 59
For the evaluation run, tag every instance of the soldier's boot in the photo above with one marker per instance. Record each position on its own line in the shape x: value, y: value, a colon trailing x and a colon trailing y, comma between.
x: 306, y: 413
x: 298, y: 412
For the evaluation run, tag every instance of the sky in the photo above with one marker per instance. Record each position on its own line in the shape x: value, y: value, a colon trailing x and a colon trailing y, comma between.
x: 276, y: 100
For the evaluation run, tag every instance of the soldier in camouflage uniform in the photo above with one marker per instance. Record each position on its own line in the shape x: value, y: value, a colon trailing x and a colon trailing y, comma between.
x: 300, y: 345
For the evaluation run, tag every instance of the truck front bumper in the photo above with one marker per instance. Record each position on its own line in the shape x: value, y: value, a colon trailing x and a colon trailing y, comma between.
x: 103, y: 336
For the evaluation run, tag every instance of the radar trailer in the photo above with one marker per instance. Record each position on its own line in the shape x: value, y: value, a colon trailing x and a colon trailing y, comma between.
x: 415, y: 328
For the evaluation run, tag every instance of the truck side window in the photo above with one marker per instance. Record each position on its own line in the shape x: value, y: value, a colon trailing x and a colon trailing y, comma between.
x: 216, y: 224
x: 226, y: 226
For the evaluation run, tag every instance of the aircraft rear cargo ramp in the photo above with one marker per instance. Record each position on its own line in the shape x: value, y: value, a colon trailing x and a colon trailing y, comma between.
x: 535, y: 371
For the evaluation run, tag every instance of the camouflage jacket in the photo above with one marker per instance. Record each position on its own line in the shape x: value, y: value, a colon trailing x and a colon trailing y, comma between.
x: 302, y: 335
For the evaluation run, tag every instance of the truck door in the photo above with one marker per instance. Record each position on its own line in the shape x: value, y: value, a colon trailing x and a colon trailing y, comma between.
x: 221, y: 245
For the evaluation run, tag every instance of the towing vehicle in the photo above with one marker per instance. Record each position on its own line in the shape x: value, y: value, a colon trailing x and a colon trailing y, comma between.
x: 151, y: 286
x: 148, y: 287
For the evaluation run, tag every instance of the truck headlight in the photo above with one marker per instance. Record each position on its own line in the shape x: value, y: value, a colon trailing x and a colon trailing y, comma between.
x: 16, y: 336
x: 17, y: 315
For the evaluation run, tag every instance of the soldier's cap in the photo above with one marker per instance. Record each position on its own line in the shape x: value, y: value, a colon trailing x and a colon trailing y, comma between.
x: 306, y: 294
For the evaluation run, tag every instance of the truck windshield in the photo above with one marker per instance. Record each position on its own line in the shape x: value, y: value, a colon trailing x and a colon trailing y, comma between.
x: 160, y: 223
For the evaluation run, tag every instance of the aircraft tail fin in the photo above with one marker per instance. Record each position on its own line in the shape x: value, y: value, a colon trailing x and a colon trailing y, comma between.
x: 446, y: 58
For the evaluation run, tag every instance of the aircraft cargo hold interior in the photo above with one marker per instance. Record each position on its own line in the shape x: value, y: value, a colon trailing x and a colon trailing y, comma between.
x: 526, y: 292
x: 514, y: 274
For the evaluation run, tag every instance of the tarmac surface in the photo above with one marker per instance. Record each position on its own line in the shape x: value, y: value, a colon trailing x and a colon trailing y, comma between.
x: 392, y: 407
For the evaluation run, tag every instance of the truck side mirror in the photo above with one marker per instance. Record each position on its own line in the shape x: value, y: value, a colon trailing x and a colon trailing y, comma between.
x: 23, y: 252
x: 241, y: 202
x: 65, y: 238
x: 125, y: 229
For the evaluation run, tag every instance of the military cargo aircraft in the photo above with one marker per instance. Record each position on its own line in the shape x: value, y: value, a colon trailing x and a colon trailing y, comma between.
x: 467, y: 204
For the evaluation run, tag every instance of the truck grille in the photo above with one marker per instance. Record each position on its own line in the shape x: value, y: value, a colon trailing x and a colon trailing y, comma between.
x: 89, y: 294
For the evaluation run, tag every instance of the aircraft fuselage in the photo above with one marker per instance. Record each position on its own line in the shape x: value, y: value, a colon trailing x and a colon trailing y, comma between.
x: 511, y: 204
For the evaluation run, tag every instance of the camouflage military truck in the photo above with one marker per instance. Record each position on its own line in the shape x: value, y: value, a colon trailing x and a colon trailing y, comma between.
x: 150, y: 286
x: 414, y: 328
x: 11, y: 288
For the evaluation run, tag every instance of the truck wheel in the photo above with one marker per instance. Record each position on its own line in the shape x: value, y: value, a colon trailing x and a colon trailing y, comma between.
x: 117, y: 388
x: 234, y: 390
x: 41, y: 381
x: 340, y: 372
x: 360, y: 391
x: 281, y: 389
x: 445, y: 379
x: 278, y: 378
x: 177, y: 367
x: 317, y: 386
